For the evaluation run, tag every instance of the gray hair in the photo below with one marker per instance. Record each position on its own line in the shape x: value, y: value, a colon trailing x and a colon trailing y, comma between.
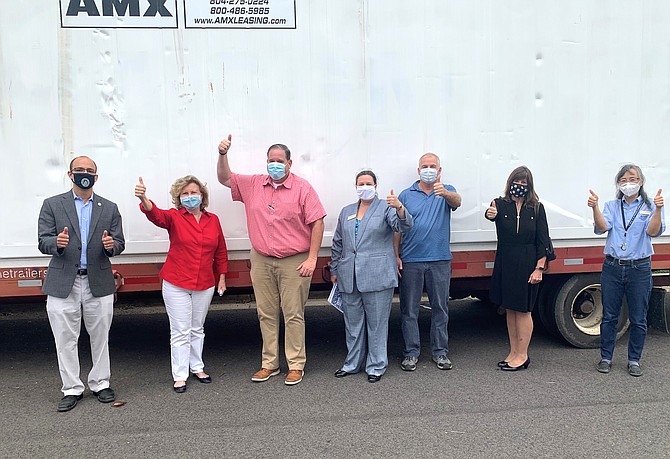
x: 429, y: 154
x: 627, y: 168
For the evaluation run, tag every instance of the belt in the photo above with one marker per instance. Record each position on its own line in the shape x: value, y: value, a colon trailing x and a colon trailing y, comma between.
x: 82, y: 272
x: 639, y: 261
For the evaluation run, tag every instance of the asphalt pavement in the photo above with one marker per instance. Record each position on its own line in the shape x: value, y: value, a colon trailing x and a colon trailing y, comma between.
x: 559, y: 407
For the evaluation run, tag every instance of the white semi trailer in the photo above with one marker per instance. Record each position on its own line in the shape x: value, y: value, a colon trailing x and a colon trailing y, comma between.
x: 572, y: 89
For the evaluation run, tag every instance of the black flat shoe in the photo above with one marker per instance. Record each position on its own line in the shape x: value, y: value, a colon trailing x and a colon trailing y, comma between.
x: 68, y: 402
x: 180, y: 389
x: 105, y: 395
x: 374, y: 378
x: 205, y: 380
x: 342, y: 373
x: 523, y: 366
x: 502, y: 363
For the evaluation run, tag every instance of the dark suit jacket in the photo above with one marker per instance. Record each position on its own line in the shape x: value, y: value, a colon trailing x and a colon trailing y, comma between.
x: 58, y: 212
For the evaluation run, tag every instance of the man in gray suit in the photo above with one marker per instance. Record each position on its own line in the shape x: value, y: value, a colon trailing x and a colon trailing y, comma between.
x: 81, y: 231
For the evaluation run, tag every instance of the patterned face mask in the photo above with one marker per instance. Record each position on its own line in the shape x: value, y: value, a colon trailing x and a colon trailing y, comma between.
x: 518, y: 190
x: 629, y: 189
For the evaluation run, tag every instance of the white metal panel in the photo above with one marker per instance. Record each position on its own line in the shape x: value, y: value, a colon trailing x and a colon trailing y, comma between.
x: 571, y: 89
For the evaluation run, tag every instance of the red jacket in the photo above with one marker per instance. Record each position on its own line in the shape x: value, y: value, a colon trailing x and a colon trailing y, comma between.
x: 197, y: 253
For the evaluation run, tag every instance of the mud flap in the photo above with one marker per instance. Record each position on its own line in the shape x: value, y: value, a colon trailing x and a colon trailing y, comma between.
x: 659, y: 309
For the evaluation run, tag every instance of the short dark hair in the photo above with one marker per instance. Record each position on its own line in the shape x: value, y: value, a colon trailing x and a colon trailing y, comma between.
x: 280, y: 146
x: 366, y: 172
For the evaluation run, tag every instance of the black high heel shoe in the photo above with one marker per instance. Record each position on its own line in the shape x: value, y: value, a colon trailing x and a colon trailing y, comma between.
x: 523, y: 366
x: 502, y: 363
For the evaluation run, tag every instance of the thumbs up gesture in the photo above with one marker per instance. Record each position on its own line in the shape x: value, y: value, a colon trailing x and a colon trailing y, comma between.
x: 593, y: 199
x: 658, y: 199
x: 393, y: 201
x: 62, y: 239
x: 140, y: 189
x: 492, y: 211
x: 439, y: 189
x: 224, y: 145
x: 107, y: 241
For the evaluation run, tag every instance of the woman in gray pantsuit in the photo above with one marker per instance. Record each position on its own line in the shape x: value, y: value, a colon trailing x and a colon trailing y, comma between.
x: 364, y: 267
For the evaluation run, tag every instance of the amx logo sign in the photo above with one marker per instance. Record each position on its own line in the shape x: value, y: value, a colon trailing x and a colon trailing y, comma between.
x: 116, y: 14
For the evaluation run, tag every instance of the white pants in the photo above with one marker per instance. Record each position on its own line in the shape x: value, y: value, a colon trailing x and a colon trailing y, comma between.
x: 187, y: 310
x: 65, y: 316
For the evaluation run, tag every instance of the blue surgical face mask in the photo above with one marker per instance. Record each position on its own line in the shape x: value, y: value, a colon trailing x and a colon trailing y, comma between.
x: 277, y: 171
x: 191, y: 202
x: 428, y: 175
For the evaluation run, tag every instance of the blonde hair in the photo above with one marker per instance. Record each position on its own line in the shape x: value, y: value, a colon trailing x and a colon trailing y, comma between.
x: 180, y: 183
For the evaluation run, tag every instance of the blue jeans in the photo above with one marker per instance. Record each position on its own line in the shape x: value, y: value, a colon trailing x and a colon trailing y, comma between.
x: 436, y: 275
x: 635, y: 282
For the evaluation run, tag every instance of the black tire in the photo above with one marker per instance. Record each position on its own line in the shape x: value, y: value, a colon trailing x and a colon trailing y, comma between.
x: 544, y: 310
x: 578, y: 311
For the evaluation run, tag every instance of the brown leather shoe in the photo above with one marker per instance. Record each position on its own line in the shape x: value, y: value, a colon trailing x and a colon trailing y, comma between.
x: 293, y: 377
x: 264, y: 374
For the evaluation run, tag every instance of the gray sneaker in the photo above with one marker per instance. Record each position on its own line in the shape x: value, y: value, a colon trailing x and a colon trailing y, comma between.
x: 604, y: 366
x: 443, y: 362
x: 634, y: 369
x: 409, y: 363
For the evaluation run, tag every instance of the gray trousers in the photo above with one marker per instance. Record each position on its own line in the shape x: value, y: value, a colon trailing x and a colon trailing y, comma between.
x: 366, y: 319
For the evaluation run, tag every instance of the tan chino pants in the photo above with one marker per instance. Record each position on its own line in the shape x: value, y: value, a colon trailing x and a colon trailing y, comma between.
x: 278, y: 286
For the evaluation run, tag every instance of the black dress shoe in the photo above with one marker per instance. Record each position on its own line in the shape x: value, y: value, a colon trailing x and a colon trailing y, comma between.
x: 68, y: 402
x: 180, y: 389
x: 205, y: 380
x: 523, y: 366
x: 374, y: 378
x: 502, y: 363
x: 342, y: 373
x: 105, y: 395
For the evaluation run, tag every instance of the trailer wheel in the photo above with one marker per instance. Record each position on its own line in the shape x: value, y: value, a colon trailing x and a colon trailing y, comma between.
x: 578, y: 311
x: 545, y: 305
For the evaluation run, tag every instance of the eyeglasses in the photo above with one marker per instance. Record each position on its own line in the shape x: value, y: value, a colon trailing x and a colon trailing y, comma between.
x: 630, y: 180
x: 81, y: 170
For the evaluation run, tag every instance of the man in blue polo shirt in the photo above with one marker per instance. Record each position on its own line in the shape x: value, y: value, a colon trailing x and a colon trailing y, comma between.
x: 424, y: 258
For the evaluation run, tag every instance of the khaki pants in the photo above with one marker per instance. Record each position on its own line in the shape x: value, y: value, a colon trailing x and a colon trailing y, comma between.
x: 278, y: 286
x: 65, y: 317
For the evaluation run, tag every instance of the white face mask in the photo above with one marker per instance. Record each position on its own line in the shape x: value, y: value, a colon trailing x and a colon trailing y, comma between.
x: 366, y: 192
x: 629, y: 189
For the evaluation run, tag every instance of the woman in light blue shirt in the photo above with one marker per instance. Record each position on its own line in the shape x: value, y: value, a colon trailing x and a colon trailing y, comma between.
x: 630, y: 221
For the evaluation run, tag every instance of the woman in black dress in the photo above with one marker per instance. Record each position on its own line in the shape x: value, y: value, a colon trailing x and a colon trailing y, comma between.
x: 521, y: 257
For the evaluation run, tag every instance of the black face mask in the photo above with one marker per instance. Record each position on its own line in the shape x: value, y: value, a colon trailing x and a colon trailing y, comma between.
x: 517, y: 190
x: 83, y: 180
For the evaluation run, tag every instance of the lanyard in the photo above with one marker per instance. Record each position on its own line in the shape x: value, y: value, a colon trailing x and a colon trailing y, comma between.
x: 626, y: 226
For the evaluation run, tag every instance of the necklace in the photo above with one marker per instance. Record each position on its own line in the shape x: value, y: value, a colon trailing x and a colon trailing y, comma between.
x: 630, y: 222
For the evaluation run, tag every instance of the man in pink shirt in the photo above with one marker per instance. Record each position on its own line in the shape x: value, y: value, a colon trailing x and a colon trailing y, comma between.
x: 285, y: 224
